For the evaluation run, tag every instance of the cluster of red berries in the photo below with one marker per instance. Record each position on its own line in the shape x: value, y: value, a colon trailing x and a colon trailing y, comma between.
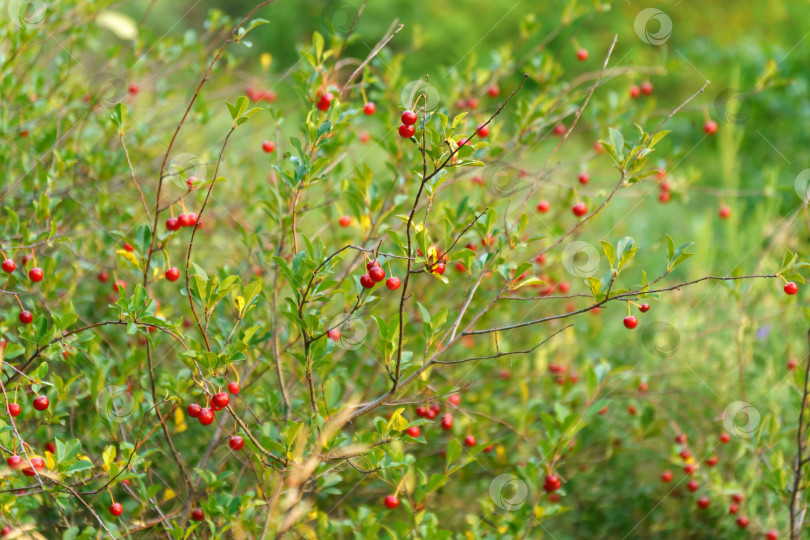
x: 219, y: 401
x: 260, y: 95
x: 552, y: 483
x: 645, y: 88
x: 36, y: 274
x: 375, y: 275
x: 407, y: 128
x: 630, y: 321
x: 183, y: 220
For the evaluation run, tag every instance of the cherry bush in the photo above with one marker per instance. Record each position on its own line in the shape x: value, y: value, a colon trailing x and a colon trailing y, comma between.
x: 344, y: 300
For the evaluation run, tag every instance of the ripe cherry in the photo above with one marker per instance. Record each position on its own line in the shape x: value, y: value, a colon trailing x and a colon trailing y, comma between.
x: 134, y: 88
x: 206, y: 416
x: 26, y: 317
x: 666, y: 477
x: 710, y: 127
x: 406, y: 131
x: 579, y: 209
x: 469, y: 441
x: 14, y: 462
x: 472, y: 103
x: 725, y: 438
x: 454, y: 399
x: 635, y: 91
x: 184, y: 220
x: 680, y: 438
x: 493, y: 91
x: 366, y: 281
x: 689, y: 468
x: 194, y: 410
x: 483, y: 131
x: 14, y: 409
x: 630, y: 322
x: 36, y: 274
x: 742, y: 522
x: 439, y: 268
x: 582, y: 55
x: 38, y: 464
x: 173, y: 224
x: 220, y: 400
x: 409, y: 118
x: 664, y: 196
x: 116, y: 509
x: 685, y: 454
x: 103, y: 276
x: 377, y: 274
x: 369, y: 108
x: 391, y: 501
x: 559, y: 129
x: 646, y: 88
x: 236, y: 442
x: 543, y: 206
x: 333, y: 334
x: 792, y: 363
x: 8, y: 266
x: 41, y: 403
x: 413, y: 431
x: 172, y: 274
x: 325, y: 101
x: 733, y: 509
x: 791, y: 288
x: 268, y: 146
x: 344, y: 221
x: 447, y: 422
x: 392, y: 283
x: 712, y: 461
x: 128, y: 247
x: 421, y: 411
x: 738, y: 498
x: 724, y: 212
x: 584, y: 178
x: 772, y: 535
x: 233, y: 388
x: 197, y: 514
x: 598, y: 148
x: 431, y: 414
x: 703, y: 502
x: 552, y: 484
x: 644, y: 308
x: 692, y: 486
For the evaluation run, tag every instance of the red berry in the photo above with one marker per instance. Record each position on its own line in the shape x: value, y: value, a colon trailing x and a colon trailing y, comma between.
x: 710, y: 127
x: 14, y: 462
x: 447, y: 422
x: 344, y: 221
x: 173, y: 224
x: 134, y: 89
x: 469, y: 441
x: 493, y: 91
x: 712, y: 461
x: 5, y: 531
x: 439, y: 268
x: 543, y: 206
x: 103, y: 276
x: 738, y: 498
x: 9, y: 266
x: 413, y: 431
x: 664, y: 196
x: 725, y: 438
x: 406, y: 131
x: 630, y: 322
x: 552, y: 484
x: 703, y: 502
x: 26, y: 317
x: 431, y: 414
x: 369, y: 108
x: 119, y: 285
x: 14, y: 409
x: 421, y: 411
x: 41, y: 403
x: 635, y: 91
x: 325, y: 101
x: 392, y: 283
x: 680, y: 438
x: 191, y: 219
x: 489, y: 448
x: 454, y: 399
x: 644, y: 308
x: 36, y: 274
x: 646, y: 88
x: 194, y: 410
x: 472, y: 103
x: 689, y: 468
x: 791, y: 288
x: 128, y: 247
x: 50, y: 447
x: 220, y: 400
x: 772, y: 535
x: 377, y: 274
x: 236, y: 442
x: 579, y: 209
x: 666, y: 477
x: 334, y: 334
x: 559, y: 129
x: 582, y: 55
x: 483, y: 131
x: 733, y: 509
x: 116, y: 509
x: 685, y: 454
x: 742, y: 522
x: 692, y: 486
x: 792, y: 363
x: 409, y: 118
x: 206, y: 416
x: 183, y: 220
x: 724, y: 212
x: 268, y: 146
x: 38, y: 464
x: 366, y: 281
x: 172, y: 274
x: 197, y: 514
x: 598, y: 148
x: 233, y: 388
x: 391, y: 501
x: 584, y: 178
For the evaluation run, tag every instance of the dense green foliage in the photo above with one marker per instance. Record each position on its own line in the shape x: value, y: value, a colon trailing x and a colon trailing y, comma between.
x: 562, y: 348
